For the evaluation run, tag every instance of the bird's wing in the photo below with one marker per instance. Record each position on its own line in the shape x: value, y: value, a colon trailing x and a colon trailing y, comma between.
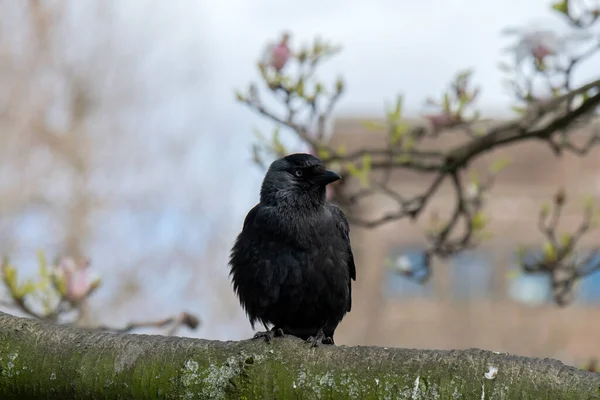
x: 242, y: 262
x: 256, y: 277
x: 344, y: 228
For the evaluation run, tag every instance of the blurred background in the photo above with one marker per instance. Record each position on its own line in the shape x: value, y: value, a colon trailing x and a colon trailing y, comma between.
x: 121, y: 141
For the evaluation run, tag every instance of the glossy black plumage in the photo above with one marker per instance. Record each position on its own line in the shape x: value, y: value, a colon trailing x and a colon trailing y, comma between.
x: 292, y: 263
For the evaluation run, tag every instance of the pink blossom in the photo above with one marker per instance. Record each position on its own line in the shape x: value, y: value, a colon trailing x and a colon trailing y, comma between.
x: 277, y: 55
x: 538, y: 43
x: 440, y: 121
x: 78, y: 280
x: 540, y: 52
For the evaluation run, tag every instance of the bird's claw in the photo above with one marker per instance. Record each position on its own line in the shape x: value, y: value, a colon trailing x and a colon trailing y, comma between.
x: 315, y: 341
x: 269, y: 335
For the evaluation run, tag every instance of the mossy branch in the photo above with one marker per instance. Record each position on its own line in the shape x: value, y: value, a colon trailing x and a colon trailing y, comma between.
x: 39, y: 360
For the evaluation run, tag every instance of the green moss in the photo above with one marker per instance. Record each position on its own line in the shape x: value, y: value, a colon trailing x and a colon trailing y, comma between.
x: 8, y: 365
x: 38, y: 361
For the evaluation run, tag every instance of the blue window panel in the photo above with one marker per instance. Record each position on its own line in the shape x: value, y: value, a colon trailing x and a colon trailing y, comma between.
x: 588, y: 291
x: 529, y: 288
x: 537, y: 288
x: 471, y: 275
x: 398, y: 285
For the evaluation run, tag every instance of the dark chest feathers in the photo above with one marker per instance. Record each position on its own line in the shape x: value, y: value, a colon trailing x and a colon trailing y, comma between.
x: 293, y: 262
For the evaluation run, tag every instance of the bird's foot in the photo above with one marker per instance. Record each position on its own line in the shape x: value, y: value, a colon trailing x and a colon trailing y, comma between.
x: 269, y: 335
x: 319, y: 339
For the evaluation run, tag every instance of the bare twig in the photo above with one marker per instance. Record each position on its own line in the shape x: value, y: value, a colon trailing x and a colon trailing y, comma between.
x: 183, y: 319
x: 560, y: 260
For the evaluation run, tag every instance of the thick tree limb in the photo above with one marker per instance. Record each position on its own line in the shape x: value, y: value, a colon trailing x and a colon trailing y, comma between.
x: 39, y: 360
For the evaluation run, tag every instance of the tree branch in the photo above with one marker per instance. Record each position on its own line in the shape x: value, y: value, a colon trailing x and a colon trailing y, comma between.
x: 183, y: 319
x: 39, y: 360
x: 528, y: 127
x: 548, y: 118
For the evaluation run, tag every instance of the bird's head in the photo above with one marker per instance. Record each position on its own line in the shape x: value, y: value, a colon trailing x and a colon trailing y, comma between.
x: 296, y: 178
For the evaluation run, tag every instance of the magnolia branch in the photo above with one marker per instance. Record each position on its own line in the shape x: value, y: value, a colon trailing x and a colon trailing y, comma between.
x: 183, y: 319
x: 62, y: 290
x: 549, y: 121
x: 559, y: 260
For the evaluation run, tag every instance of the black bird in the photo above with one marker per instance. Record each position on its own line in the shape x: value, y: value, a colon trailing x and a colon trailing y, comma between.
x: 292, y: 264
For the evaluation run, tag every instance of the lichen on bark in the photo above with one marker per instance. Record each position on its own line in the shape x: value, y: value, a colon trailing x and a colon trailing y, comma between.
x: 44, y: 361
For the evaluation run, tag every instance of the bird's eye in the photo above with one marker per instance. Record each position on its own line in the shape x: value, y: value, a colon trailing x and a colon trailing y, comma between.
x: 299, y: 173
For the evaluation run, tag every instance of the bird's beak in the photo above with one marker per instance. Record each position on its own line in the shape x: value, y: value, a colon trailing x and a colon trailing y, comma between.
x: 326, y: 178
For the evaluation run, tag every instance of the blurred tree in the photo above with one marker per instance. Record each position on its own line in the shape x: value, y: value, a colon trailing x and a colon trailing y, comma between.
x: 548, y: 106
x: 63, y: 117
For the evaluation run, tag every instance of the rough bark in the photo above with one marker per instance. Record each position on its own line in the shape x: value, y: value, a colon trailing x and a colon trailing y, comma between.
x: 43, y: 361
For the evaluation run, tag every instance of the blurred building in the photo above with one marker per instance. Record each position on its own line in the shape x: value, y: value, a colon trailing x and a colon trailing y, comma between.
x: 478, y: 298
